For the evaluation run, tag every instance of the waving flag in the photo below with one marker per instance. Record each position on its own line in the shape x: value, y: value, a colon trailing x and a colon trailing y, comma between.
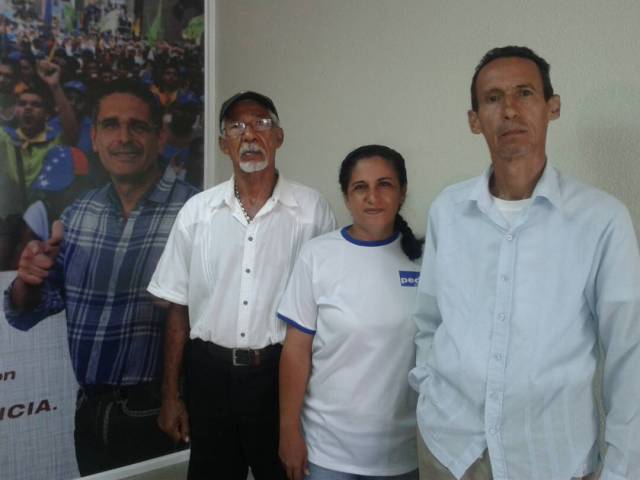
x: 155, y: 30
x: 61, y: 165
x: 47, y: 11
x: 110, y: 21
x: 194, y: 30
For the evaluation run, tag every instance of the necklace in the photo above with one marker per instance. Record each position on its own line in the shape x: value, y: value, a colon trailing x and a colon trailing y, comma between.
x: 244, y: 210
x: 236, y: 192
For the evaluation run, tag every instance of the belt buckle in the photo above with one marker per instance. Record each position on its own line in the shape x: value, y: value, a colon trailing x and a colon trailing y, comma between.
x: 253, y: 358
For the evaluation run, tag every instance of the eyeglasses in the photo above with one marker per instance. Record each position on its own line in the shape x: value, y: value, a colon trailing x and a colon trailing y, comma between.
x: 134, y: 127
x: 235, y: 129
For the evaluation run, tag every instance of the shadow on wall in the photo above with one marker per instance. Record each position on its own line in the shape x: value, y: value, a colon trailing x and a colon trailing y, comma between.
x: 608, y: 134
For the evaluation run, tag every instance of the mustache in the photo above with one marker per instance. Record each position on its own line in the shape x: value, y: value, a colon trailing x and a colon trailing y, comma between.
x: 246, y: 147
x: 126, y: 150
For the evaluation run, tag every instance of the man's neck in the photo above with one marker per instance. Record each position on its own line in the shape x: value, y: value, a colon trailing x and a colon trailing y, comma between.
x: 32, y: 133
x: 131, y: 189
x: 168, y: 90
x: 515, y: 179
x: 255, y: 188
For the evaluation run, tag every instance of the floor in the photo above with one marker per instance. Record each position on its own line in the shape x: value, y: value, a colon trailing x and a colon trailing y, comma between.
x: 172, y: 472
x: 169, y: 467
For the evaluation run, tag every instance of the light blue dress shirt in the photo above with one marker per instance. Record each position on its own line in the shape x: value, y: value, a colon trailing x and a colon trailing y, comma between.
x: 508, y: 322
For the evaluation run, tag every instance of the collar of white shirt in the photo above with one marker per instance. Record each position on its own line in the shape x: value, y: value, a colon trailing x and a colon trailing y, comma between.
x: 283, y: 193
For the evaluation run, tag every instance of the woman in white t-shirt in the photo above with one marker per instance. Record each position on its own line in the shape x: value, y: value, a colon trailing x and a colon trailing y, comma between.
x: 346, y: 408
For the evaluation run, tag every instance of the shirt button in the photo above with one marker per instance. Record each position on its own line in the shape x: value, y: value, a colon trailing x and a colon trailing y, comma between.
x: 250, y: 239
x: 501, y: 316
x: 242, y: 334
x: 504, y: 278
x: 245, y: 302
x: 498, y: 356
x: 248, y: 270
x: 509, y: 237
x: 494, y: 395
x: 493, y: 430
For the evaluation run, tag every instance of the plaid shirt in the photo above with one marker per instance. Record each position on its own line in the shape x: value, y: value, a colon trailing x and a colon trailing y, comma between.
x: 100, y: 277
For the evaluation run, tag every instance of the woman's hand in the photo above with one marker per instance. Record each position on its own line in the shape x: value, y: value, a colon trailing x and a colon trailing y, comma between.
x: 293, y: 453
x: 295, y: 365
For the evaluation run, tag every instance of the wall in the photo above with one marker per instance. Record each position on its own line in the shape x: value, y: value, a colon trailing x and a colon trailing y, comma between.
x: 348, y: 72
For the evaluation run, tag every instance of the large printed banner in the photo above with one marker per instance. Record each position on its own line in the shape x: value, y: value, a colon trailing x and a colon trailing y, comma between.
x: 48, y: 159
x: 37, y: 399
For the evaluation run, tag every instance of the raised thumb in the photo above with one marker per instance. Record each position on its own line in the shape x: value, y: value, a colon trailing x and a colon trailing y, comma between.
x: 57, y: 233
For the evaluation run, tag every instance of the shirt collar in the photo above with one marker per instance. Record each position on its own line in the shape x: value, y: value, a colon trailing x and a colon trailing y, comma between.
x: 283, y: 193
x: 24, y: 141
x: 161, y: 191
x: 480, y: 193
x: 548, y: 187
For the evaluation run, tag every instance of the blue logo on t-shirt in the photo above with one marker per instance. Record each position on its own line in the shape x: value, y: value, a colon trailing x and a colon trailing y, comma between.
x: 409, y: 279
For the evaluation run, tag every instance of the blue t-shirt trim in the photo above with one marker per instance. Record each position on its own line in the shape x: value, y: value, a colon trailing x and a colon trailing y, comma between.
x: 367, y: 243
x: 297, y: 326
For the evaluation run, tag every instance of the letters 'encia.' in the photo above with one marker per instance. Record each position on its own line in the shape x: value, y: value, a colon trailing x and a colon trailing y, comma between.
x: 20, y: 409
x: 6, y: 376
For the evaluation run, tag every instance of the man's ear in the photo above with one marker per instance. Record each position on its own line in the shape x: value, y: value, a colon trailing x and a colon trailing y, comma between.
x: 93, y: 139
x: 223, y: 144
x: 474, y: 122
x: 279, y: 133
x: 554, y: 105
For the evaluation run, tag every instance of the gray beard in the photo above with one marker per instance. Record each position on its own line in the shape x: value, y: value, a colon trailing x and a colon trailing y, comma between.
x: 251, y: 167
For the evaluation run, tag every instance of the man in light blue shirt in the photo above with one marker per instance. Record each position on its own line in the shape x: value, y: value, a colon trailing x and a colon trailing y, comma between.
x: 525, y: 271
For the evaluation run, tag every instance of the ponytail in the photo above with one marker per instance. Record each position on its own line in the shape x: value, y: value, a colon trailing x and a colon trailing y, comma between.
x: 411, y: 246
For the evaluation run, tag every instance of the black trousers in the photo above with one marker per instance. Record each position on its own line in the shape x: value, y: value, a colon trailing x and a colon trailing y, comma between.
x: 233, y: 416
x: 117, y: 426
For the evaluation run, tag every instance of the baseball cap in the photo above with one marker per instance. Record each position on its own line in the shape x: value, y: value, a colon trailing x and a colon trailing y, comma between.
x: 263, y: 100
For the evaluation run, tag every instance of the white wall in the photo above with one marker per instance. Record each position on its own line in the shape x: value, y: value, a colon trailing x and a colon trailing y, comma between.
x: 347, y: 72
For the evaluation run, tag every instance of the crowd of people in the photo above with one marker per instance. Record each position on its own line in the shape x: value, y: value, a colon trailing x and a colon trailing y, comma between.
x: 49, y: 76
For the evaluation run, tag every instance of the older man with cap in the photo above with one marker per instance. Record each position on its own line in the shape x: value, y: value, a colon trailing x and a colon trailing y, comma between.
x: 223, y: 271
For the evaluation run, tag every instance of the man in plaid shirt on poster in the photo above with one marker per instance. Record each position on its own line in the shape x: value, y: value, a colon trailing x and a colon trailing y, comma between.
x: 96, y: 265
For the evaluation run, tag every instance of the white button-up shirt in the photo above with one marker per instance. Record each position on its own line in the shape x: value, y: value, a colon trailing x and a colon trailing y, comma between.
x: 232, y: 274
x: 508, y: 324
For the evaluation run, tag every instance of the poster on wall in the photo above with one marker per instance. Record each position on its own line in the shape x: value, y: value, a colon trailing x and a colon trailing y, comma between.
x: 101, y: 143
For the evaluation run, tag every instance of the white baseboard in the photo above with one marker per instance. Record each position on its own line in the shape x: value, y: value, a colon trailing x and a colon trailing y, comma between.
x: 142, y: 467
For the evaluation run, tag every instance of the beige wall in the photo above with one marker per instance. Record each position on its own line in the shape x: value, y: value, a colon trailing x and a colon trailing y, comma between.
x: 348, y: 72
